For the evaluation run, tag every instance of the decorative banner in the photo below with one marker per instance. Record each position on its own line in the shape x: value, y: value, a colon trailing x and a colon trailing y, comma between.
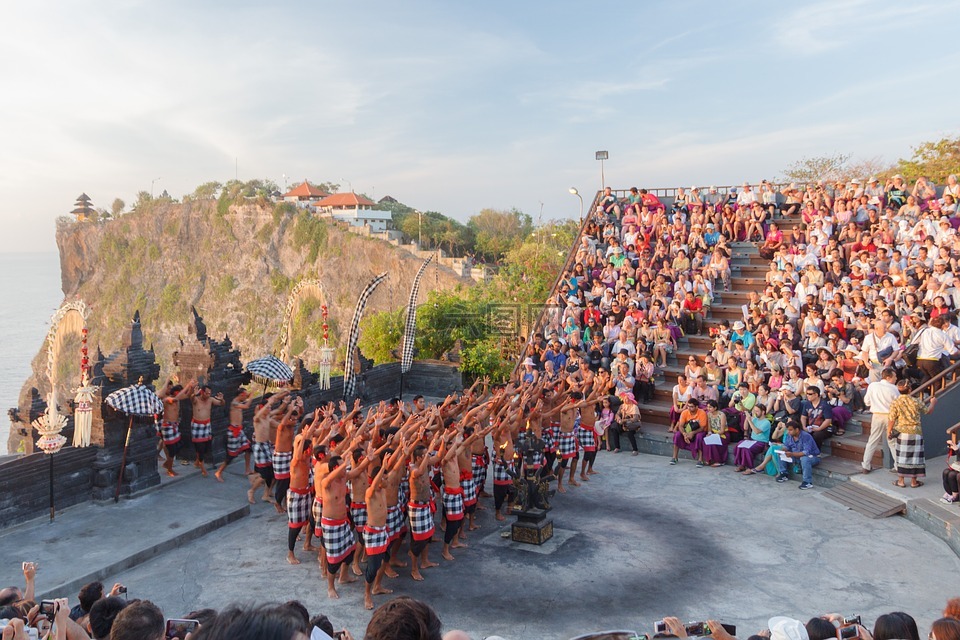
x: 304, y: 288
x: 410, y: 327
x: 326, y: 352
x: 70, y: 318
x: 349, y: 377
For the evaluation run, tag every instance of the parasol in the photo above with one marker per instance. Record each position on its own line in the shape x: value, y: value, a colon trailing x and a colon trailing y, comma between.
x: 135, y: 400
x: 270, y: 370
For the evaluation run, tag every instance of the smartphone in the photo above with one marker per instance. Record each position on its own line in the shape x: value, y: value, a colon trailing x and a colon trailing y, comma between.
x: 48, y: 608
x: 177, y: 628
x: 847, y: 633
x: 659, y: 627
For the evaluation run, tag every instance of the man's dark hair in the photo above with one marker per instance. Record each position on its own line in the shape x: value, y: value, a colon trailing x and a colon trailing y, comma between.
x: 261, y: 623
x: 102, y: 614
x: 8, y: 613
x: 890, y: 626
x: 419, y: 450
x: 415, y: 398
x: 203, y: 616
x: 90, y: 593
x: 323, y: 623
x: 139, y: 621
x: 820, y: 629
x: 297, y: 607
x: 334, y: 462
x: 404, y: 619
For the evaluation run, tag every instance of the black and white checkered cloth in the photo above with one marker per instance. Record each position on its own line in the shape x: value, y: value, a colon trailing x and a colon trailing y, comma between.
x: 910, y: 454
x: 453, y: 503
x: 237, y: 441
x: 262, y: 454
x: 396, y: 523
x: 338, y: 539
x: 170, y: 432
x: 586, y: 438
x: 358, y: 513
x: 317, y: 511
x: 201, y: 431
x: 136, y: 400
x: 298, y: 507
x: 375, y: 540
x: 421, y: 520
x: 281, y: 464
x: 349, y: 377
x: 270, y: 370
x: 469, y: 486
x: 478, y: 462
x: 568, y: 445
x: 501, y: 472
x: 410, y: 326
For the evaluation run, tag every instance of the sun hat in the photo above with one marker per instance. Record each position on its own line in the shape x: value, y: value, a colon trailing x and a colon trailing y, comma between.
x: 783, y: 628
x: 529, y: 362
x: 738, y: 325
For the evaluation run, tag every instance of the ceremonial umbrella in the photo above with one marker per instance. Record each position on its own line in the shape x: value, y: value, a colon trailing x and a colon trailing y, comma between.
x: 270, y: 370
x: 135, y: 400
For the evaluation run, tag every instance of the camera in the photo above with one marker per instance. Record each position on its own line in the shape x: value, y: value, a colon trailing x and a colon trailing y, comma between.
x: 851, y: 620
x: 847, y: 632
x: 177, y: 629
x: 48, y: 608
x: 122, y: 589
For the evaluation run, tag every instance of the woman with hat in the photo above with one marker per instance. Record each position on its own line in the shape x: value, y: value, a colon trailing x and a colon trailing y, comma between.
x: 530, y: 374
x: 627, y: 421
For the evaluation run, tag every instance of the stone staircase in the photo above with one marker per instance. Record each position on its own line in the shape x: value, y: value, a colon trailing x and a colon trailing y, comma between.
x: 841, y: 454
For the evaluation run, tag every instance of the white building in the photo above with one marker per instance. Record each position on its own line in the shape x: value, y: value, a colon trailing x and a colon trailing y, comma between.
x: 355, y: 210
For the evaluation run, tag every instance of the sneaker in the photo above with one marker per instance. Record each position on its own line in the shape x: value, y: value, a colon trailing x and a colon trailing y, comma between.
x: 673, y: 461
x: 699, y: 465
x: 947, y: 499
x: 782, y: 478
x: 806, y: 485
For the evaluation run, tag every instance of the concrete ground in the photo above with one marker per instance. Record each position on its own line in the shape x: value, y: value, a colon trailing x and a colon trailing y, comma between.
x: 641, y: 540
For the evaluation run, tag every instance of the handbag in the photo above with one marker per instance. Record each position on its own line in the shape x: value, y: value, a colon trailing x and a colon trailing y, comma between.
x: 631, y: 425
x: 911, y: 352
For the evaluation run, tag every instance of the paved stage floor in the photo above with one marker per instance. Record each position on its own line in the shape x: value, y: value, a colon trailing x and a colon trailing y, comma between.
x: 641, y: 540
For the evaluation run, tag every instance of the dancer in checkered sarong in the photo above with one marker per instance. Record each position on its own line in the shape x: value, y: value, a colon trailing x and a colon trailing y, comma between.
x: 376, y: 536
x: 420, y: 508
x: 453, y: 507
x: 300, y: 494
x: 504, y: 473
x: 172, y: 395
x: 264, y: 419
x: 567, y: 412
x: 202, y: 432
x: 283, y: 452
x: 479, y: 461
x: 587, y: 437
x: 359, y: 481
x: 467, y: 483
x: 237, y: 441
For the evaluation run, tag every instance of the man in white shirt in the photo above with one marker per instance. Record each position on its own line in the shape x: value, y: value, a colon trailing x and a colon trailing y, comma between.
x: 880, y: 350
x: 879, y: 396
x: 934, y: 343
x: 746, y: 197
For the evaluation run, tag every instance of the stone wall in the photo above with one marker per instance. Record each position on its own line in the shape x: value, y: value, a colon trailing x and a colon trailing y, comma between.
x: 25, y: 483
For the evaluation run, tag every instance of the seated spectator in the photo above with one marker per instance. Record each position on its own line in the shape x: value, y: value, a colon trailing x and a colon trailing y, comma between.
x: 799, y: 447
x: 404, y: 619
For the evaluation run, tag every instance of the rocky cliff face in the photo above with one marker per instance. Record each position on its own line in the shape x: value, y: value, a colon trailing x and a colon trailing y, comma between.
x: 236, y: 265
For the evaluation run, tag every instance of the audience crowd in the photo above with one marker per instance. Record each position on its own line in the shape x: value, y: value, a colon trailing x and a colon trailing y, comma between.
x: 107, y: 616
x: 861, y: 283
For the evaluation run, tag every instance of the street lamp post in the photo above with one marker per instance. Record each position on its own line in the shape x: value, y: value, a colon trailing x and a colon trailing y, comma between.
x: 419, y: 231
x: 601, y: 156
x: 574, y: 191
x: 152, y: 182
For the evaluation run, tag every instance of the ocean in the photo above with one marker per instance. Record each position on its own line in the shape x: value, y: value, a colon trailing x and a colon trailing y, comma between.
x: 30, y: 285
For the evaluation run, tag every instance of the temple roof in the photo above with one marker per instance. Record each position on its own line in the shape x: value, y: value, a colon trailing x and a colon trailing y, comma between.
x: 346, y: 200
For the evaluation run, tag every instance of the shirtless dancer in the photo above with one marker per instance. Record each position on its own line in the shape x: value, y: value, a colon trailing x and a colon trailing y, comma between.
x: 376, y: 537
x: 237, y: 441
x: 587, y: 436
x: 421, y: 508
x: 201, y: 431
x: 567, y: 411
x: 299, y: 495
x: 453, y: 508
x: 263, y: 423
x: 504, y: 470
x: 172, y: 395
x: 283, y: 451
x: 396, y: 520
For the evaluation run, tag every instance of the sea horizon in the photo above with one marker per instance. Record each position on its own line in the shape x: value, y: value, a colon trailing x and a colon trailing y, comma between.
x: 30, y: 282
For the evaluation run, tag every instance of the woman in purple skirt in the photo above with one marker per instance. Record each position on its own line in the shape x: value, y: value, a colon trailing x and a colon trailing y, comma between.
x: 757, y: 429
x: 715, y: 455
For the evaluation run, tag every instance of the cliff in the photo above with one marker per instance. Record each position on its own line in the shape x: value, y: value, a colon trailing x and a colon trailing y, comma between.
x: 236, y: 265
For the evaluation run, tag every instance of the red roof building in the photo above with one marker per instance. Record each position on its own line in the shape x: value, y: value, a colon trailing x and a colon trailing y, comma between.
x: 355, y: 210
x: 345, y: 201
x: 304, y: 192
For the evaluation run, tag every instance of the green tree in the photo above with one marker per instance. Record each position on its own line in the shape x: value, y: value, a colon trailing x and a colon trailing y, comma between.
x: 207, y: 190
x: 826, y: 168
x: 144, y: 200
x: 934, y: 160
x: 116, y: 209
x: 380, y: 335
x: 497, y: 232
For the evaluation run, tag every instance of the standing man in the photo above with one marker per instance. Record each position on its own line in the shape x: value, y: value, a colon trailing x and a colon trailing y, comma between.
x: 299, y: 495
x: 878, y: 398
x: 376, y: 538
x: 338, y: 541
x: 421, y: 508
x: 880, y: 349
x: 172, y: 395
x: 283, y: 451
x: 237, y: 441
x: 263, y: 449
x: 201, y: 431
x: 798, y: 445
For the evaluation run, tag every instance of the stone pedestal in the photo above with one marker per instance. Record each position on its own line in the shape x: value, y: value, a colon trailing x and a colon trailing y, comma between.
x: 532, y: 526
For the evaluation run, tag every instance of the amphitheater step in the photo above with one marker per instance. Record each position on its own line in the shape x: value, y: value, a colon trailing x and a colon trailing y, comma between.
x: 861, y: 499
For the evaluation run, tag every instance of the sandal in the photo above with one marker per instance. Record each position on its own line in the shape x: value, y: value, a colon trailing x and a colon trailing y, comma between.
x: 840, y: 432
x: 897, y: 483
x: 916, y: 484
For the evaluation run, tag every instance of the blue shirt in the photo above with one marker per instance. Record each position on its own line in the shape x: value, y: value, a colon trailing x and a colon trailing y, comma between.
x: 711, y: 238
x: 816, y: 415
x: 804, y: 443
x: 559, y: 359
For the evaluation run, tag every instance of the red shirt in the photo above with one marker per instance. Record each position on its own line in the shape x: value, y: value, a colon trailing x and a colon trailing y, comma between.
x: 695, y: 305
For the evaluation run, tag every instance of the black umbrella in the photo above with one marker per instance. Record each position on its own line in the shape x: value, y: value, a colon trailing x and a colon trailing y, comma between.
x: 135, y: 400
x: 270, y: 370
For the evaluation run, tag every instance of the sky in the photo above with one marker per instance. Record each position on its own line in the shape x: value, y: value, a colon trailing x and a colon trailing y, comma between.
x: 454, y: 106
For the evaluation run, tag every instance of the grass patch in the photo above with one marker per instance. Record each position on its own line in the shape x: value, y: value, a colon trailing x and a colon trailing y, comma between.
x: 310, y: 232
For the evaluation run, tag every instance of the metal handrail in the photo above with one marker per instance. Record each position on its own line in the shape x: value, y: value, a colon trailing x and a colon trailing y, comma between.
x: 567, y: 266
x: 944, y: 380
